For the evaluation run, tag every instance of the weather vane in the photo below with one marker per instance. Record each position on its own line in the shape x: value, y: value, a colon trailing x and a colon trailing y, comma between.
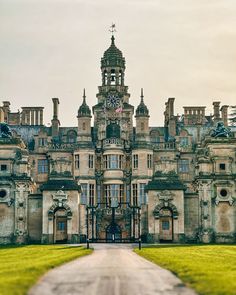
x: 112, y: 28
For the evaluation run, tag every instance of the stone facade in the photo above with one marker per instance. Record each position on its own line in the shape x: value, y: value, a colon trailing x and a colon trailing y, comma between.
x: 119, y: 180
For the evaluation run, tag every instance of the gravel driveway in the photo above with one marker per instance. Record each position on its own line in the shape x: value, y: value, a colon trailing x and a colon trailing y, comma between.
x: 112, y: 269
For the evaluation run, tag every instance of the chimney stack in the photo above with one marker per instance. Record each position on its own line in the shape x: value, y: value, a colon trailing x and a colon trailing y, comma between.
x: 224, y: 114
x: 216, y: 106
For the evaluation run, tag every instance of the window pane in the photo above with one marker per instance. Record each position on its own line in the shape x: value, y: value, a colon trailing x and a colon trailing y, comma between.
x: 84, y: 193
x: 165, y: 225
x: 42, y: 166
x: 142, y: 193
x: 184, y: 166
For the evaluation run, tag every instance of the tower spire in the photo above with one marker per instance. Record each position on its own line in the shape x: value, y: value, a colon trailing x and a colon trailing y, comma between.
x: 84, y: 97
x: 141, y: 95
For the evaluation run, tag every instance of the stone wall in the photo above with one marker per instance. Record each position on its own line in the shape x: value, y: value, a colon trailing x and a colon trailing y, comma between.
x: 6, y: 223
x: 35, y: 218
x: 191, y: 217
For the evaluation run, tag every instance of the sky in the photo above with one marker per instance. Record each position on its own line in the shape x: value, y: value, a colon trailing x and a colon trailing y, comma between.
x: 173, y: 48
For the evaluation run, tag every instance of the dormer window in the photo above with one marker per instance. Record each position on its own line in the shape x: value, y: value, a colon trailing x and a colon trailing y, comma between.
x: 71, y: 136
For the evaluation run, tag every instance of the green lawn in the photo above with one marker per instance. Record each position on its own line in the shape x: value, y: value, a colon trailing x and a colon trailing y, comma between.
x: 209, y: 269
x: 20, y: 267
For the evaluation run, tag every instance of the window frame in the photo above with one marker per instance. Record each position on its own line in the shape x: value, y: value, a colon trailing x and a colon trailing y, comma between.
x: 5, y: 167
x: 42, y: 168
x: 183, y: 167
x: 135, y: 194
x: 149, y: 161
x: 135, y: 161
x: 142, y: 193
x: 91, y: 194
x: 91, y: 161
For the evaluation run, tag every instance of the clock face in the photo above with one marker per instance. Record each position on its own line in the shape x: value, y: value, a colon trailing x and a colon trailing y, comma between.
x: 113, y: 101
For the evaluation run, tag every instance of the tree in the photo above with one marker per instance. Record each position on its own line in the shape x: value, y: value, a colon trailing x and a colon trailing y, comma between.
x: 232, y: 115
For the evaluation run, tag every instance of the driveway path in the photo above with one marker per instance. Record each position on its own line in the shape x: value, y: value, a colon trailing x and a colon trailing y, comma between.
x: 111, y: 270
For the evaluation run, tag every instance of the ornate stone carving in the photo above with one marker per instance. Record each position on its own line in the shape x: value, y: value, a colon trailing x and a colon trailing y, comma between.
x: 165, y: 198
x: 59, y: 201
x: 60, y: 198
x: 160, y: 206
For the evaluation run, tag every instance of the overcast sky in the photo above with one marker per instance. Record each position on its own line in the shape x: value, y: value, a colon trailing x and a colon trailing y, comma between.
x: 173, y: 48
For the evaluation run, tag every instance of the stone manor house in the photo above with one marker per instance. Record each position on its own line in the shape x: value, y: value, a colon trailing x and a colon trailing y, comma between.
x: 119, y: 180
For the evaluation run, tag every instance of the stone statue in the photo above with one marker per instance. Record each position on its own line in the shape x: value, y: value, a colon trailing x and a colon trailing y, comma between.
x: 5, y: 131
x: 220, y: 130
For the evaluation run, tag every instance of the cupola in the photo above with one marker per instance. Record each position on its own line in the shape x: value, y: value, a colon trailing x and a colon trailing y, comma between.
x: 84, y: 110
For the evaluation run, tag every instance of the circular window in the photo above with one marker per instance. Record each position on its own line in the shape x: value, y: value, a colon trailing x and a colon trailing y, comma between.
x: 3, y: 193
x: 223, y: 193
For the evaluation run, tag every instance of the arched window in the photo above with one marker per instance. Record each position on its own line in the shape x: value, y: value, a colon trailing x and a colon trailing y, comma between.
x: 113, y: 77
x: 105, y: 77
x: 113, y: 131
x: 84, y: 126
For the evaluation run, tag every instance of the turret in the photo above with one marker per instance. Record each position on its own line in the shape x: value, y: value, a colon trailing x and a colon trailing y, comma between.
x: 142, y: 120
x: 84, y: 121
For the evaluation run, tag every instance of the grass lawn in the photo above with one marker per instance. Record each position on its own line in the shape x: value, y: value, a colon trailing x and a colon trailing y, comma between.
x: 21, y: 266
x: 209, y: 269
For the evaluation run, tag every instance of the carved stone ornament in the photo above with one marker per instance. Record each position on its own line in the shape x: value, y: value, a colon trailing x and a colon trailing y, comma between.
x: 220, y: 199
x: 162, y: 205
x: 60, y: 198
x: 166, y: 197
x: 59, y: 201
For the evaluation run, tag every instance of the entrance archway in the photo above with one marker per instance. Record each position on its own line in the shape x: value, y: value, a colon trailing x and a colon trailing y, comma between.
x: 60, y: 226
x: 113, y: 233
x: 166, y: 225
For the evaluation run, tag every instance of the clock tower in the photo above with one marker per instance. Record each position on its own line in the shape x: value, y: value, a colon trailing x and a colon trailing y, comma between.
x: 113, y: 113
